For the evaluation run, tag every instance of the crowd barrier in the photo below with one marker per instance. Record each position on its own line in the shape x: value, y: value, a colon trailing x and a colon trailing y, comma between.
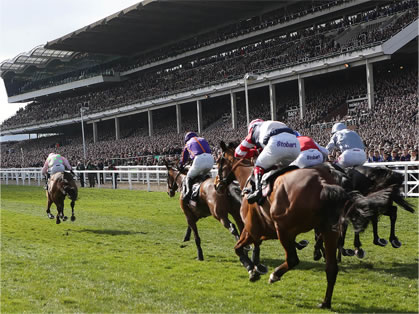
x: 152, y: 176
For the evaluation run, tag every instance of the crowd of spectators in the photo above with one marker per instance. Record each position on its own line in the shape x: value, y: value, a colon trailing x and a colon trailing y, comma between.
x: 389, y: 130
x: 281, y: 51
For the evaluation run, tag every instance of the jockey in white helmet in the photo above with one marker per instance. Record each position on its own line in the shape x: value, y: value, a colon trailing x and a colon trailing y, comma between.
x: 349, y: 143
x: 278, y: 145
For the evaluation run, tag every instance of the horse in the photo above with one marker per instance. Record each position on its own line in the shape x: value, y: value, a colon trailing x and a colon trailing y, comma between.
x: 368, y: 180
x: 210, y: 202
x: 301, y: 200
x: 61, y: 184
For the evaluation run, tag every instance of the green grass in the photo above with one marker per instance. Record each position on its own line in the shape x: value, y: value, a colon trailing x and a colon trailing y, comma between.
x: 124, y: 253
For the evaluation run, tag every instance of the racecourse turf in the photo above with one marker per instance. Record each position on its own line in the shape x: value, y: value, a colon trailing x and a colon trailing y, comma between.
x: 124, y: 253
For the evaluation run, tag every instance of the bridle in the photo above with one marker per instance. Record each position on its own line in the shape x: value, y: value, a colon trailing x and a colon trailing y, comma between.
x: 173, y: 188
x: 223, y: 182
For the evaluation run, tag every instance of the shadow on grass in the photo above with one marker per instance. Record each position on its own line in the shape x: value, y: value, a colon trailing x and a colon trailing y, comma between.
x: 109, y: 232
x: 406, y: 270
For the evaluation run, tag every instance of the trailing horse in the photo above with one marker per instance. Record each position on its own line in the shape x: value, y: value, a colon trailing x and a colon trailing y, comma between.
x: 61, y: 184
x: 209, y: 202
x: 301, y: 200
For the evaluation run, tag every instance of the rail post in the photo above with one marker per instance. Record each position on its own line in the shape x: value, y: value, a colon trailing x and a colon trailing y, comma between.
x: 129, y: 180
x: 148, y: 181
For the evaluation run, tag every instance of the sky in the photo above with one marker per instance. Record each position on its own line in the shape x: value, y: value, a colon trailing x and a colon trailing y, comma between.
x: 25, y: 24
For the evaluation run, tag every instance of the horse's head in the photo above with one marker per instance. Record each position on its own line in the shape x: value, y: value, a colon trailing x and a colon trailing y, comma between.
x: 225, y: 164
x: 172, y: 177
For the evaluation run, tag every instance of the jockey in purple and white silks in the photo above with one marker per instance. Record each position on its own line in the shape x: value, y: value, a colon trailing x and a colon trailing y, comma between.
x: 198, y: 150
x: 278, y: 144
x: 349, y: 143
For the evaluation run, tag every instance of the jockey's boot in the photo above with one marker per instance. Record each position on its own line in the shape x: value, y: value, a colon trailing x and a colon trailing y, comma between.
x: 46, y: 183
x: 187, y: 187
x: 257, y: 193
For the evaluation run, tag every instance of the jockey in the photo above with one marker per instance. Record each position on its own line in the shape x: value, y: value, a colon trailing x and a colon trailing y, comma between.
x: 349, y: 143
x: 196, y: 149
x: 311, y: 152
x: 278, y: 145
x: 54, y: 163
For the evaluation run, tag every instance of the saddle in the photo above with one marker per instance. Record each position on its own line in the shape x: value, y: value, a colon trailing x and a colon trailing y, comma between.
x: 196, y: 186
x: 268, y: 180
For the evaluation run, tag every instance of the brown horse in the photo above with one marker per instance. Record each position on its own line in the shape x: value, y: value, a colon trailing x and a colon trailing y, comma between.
x: 219, y: 205
x: 60, y: 185
x: 301, y: 200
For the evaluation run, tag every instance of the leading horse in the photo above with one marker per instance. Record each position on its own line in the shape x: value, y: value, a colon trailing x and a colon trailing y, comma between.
x: 301, y: 200
x: 61, y: 184
x: 210, y: 202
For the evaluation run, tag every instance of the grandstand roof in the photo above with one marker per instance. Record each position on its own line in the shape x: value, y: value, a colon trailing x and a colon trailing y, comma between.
x: 153, y: 23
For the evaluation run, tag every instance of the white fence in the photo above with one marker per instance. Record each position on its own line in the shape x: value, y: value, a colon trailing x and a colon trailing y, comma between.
x: 157, y: 175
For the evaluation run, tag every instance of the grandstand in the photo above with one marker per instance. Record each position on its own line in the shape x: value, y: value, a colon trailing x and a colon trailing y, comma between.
x: 310, y: 63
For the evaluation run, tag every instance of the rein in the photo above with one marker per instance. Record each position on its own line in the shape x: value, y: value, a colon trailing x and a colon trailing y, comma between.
x: 231, y: 176
x: 174, y: 186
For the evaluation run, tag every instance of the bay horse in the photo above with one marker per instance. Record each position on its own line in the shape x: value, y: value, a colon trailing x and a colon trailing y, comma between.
x: 210, y: 203
x: 61, y: 184
x: 301, y: 200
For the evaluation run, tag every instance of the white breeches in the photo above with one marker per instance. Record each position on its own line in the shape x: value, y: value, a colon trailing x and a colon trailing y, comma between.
x: 201, y: 165
x: 352, y: 157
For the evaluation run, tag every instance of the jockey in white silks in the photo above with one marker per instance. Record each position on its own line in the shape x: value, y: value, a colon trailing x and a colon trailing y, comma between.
x: 278, y: 144
x: 349, y: 143
x: 55, y: 163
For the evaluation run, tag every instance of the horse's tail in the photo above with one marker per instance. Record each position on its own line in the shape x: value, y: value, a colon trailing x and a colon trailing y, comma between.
x: 70, y: 188
x: 401, y: 201
x: 362, y: 208
x: 334, y: 198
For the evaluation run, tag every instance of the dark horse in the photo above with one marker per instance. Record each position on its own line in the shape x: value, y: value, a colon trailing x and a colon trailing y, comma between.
x: 369, y: 180
x: 301, y: 200
x: 219, y: 205
x: 61, y: 184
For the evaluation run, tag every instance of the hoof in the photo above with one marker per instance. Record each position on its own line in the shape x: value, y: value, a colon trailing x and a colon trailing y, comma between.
x: 247, y: 248
x: 58, y: 222
x: 65, y: 218
x: 317, y: 255
x: 253, y: 275
x: 73, y: 218
x: 380, y: 242
x: 396, y: 243
x: 348, y: 252
x: 50, y: 216
x: 360, y: 253
x: 273, y: 278
x: 302, y: 244
x: 261, y: 269
x: 200, y: 258
x: 324, y: 306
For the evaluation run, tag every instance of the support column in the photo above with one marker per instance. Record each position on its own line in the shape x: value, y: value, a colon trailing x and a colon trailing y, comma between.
x: 370, y: 84
x: 178, y: 118
x: 301, y: 96
x: 272, y: 100
x: 233, y: 100
x: 150, y: 122
x: 199, y: 113
x: 94, y: 124
x: 117, y: 131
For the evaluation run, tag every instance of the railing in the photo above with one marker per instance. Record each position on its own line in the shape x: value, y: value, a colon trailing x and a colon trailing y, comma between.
x: 153, y: 176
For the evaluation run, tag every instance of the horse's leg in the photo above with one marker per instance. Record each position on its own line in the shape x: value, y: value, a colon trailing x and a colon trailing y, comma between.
x: 377, y: 240
x: 291, y: 257
x: 260, y: 268
x: 318, y: 246
x: 331, y: 242
x: 187, y: 234
x: 58, y: 221
x: 393, y: 217
x: 246, y: 239
x: 342, y: 250
x: 49, y: 202
x: 359, y: 252
x: 73, y: 218
x: 192, y: 224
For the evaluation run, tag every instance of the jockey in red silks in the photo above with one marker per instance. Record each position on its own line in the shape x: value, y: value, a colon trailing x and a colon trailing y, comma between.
x: 55, y: 163
x: 196, y: 149
x: 311, y: 152
x: 278, y: 145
